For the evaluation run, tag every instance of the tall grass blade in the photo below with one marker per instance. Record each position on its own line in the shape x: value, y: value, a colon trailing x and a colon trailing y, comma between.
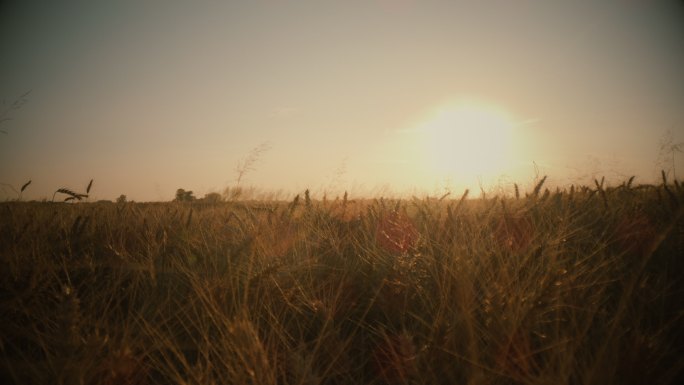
x: 538, y: 187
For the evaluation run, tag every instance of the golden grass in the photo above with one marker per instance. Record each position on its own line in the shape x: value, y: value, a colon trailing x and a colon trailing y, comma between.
x: 581, y: 286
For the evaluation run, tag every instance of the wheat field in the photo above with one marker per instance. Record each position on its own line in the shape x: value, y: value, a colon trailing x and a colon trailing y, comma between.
x: 576, y: 286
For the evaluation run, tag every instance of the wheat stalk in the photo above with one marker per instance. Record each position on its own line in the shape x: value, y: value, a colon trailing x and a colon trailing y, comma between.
x: 71, y: 194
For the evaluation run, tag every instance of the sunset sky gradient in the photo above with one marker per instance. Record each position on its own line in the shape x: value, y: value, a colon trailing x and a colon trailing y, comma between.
x: 149, y: 96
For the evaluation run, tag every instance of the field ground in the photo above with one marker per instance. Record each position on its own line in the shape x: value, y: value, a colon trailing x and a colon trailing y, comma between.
x: 580, y: 286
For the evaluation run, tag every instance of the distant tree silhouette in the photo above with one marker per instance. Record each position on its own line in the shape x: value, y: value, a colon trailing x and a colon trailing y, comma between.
x: 184, y: 196
x: 121, y: 199
x: 213, y: 197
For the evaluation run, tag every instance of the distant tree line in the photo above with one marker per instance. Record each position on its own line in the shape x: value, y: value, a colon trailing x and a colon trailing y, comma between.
x: 183, y: 195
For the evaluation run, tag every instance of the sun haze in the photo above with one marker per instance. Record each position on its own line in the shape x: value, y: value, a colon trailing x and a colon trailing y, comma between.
x: 468, y: 139
x: 372, y: 97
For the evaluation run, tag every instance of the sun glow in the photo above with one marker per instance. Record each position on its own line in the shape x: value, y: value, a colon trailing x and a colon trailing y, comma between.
x: 466, y: 140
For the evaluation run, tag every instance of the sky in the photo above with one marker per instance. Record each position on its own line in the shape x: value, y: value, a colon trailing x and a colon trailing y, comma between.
x: 384, y: 97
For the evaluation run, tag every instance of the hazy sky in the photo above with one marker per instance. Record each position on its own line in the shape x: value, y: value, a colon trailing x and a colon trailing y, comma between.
x: 371, y: 96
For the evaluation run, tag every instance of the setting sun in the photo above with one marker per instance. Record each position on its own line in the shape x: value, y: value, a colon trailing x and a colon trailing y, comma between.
x: 468, y: 139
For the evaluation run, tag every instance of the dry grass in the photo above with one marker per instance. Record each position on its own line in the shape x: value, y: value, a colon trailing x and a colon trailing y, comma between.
x: 581, y: 286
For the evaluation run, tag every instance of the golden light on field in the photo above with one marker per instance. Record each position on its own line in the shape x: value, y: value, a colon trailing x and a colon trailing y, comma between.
x: 468, y: 139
